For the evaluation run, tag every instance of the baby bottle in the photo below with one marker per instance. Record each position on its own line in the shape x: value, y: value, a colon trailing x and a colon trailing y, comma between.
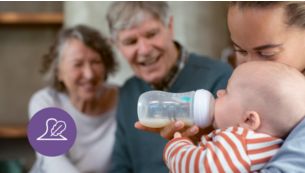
x: 158, y: 108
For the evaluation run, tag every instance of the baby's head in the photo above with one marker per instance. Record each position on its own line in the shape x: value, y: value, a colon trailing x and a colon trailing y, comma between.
x: 264, y: 96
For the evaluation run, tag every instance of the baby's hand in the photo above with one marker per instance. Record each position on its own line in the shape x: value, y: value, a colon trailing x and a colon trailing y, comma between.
x: 177, y: 135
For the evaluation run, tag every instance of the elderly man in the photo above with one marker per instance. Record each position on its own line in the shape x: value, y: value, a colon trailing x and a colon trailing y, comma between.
x: 143, y: 33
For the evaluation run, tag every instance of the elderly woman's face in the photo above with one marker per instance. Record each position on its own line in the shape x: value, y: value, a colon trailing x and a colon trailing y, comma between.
x: 262, y: 34
x: 81, y: 70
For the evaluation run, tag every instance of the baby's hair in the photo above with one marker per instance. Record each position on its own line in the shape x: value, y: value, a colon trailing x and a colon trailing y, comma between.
x: 276, y: 90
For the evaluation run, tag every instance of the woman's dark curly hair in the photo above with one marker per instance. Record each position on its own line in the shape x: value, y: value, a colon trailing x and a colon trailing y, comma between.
x: 91, y: 38
x: 294, y: 10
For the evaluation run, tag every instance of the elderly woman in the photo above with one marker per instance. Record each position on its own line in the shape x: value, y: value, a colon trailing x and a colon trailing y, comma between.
x: 76, y: 68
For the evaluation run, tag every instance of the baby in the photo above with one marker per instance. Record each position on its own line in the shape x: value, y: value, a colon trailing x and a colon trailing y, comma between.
x: 262, y: 103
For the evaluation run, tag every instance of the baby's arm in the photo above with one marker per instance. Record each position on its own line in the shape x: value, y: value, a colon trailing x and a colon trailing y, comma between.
x: 224, y: 152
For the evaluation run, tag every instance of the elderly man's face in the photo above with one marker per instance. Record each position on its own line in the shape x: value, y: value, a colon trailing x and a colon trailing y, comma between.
x: 149, y: 49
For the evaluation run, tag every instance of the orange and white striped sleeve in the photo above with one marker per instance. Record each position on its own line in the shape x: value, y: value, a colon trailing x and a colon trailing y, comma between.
x: 220, y: 151
x: 261, y: 148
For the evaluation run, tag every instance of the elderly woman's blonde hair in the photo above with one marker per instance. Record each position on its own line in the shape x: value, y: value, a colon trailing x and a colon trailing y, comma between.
x: 89, y: 37
x: 124, y: 15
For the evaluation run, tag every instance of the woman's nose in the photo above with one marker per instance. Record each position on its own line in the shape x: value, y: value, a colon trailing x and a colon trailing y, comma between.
x: 88, y: 72
x: 243, y: 59
x: 250, y: 57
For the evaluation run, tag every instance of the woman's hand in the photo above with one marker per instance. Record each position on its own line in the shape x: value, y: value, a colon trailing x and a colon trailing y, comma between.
x: 167, y: 132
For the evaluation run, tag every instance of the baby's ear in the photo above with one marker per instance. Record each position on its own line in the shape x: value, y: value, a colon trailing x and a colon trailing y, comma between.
x: 251, y: 120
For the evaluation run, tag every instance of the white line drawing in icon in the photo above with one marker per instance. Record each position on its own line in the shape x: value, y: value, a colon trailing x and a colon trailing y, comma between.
x: 53, y: 131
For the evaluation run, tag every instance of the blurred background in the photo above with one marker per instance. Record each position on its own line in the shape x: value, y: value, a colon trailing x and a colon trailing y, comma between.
x: 28, y: 28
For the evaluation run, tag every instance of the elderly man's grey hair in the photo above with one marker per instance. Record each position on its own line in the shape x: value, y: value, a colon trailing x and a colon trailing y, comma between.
x: 125, y: 15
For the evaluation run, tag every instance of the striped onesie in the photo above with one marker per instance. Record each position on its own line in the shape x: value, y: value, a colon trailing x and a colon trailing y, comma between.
x: 234, y: 149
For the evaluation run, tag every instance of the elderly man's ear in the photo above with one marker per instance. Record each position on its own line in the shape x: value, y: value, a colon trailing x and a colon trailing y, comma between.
x: 251, y: 120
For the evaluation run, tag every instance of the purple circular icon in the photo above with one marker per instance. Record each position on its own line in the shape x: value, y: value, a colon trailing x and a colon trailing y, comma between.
x: 51, y: 131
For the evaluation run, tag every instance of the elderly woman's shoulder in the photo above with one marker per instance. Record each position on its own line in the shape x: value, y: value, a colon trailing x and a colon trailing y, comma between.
x: 46, y: 97
x: 47, y: 94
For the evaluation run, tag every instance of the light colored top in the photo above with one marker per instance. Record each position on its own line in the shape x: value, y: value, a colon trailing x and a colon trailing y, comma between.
x: 92, y: 149
x: 234, y: 149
